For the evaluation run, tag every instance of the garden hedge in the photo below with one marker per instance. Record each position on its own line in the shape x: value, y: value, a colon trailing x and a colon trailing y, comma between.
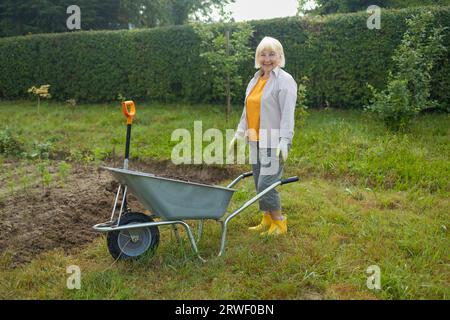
x: 338, y: 53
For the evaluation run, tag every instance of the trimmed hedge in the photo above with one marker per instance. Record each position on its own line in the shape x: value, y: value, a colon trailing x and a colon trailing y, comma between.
x: 338, y: 54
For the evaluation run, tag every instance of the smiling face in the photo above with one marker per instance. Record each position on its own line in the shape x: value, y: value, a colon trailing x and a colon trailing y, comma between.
x: 269, y: 55
x: 268, y: 60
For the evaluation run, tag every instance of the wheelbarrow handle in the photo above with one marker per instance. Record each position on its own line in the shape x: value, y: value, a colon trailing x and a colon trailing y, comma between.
x: 289, y: 180
x: 242, y: 176
x: 247, y: 174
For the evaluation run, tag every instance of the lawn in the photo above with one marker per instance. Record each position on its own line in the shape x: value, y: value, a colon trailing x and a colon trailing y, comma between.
x: 366, y: 197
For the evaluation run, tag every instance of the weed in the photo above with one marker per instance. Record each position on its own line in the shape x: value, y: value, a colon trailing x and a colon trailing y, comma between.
x: 10, y: 180
x: 10, y: 145
x: 64, y: 169
x: 44, y: 172
x: 24, y: 178
x: 41, y: 150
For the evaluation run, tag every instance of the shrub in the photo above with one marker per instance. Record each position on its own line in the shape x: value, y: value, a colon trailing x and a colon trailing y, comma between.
x: 394, y: 105
x: 338, y: 53
x: 409, y: 86
x: 10, y: 145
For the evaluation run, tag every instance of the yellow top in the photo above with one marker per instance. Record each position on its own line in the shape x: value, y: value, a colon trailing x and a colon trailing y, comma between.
x: 253, y: 110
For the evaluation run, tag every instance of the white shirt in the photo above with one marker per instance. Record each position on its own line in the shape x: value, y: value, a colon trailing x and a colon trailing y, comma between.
x: 278, y: 102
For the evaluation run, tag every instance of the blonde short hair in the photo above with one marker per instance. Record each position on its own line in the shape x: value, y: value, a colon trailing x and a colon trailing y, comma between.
x: 272, y: 44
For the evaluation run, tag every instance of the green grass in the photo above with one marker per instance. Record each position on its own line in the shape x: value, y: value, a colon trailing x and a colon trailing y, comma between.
x: 335, y: 143
x: 366, y: 197
x: 333, y: 238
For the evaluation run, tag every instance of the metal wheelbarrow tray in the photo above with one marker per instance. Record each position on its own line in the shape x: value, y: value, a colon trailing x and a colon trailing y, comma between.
x: 171, y: 200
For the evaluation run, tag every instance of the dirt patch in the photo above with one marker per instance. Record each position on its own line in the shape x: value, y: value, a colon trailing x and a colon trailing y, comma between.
x: 35, y: 221
x: 206, y: 174
x: 60, y: 217
x: 343, y: 291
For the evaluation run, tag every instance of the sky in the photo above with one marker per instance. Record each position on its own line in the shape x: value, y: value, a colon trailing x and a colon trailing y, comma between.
x: 244, y: 10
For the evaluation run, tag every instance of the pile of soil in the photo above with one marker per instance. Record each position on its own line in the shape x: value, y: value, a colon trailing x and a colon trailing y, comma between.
x: 62, y: 216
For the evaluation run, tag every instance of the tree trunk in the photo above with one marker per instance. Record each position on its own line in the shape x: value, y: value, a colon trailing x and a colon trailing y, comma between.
x: 228, y: 111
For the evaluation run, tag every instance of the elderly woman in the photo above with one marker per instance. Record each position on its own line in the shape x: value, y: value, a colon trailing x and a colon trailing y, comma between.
x: 267, y: 124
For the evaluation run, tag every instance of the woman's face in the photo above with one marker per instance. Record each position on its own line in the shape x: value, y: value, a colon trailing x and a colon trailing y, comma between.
x: 268, y: 60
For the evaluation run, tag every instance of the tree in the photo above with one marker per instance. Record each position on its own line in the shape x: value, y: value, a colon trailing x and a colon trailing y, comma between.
x: 152, y: 13
x: 44, y: 16
x: 324, y: 7
x: 224, y: 53
x: 183, y: 11
x: 143, y: 13
x: 41, y: 92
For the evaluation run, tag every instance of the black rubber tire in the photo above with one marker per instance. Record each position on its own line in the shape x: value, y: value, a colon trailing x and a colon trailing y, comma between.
x: 112, y: 238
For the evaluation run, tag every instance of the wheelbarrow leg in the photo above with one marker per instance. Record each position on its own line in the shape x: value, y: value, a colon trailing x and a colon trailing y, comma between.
x: 115, y: 203
x: 200, y: 230
x: 225, y: 222
x: 242, y: 208
x: 177, y: 234
x: 191, y: 239
x: 223, y: 237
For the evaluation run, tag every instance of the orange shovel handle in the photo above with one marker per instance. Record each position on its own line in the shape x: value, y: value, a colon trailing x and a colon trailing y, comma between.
x: 129, y: 113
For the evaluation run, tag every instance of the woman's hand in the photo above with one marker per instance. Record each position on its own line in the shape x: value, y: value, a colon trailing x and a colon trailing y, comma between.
x: 283, y: 148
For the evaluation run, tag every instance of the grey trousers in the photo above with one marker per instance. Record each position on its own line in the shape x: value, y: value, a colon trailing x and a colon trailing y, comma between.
x: 267, y: 169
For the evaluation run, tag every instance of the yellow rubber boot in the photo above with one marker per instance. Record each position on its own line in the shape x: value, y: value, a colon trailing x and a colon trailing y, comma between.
x: 278, y: 227
x: 266, y: 222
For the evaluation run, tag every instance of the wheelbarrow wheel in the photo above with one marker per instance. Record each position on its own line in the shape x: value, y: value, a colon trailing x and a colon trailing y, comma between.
x: 132, y: 243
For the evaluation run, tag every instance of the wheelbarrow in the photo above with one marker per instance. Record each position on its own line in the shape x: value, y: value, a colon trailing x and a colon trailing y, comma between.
x: 171, y: 201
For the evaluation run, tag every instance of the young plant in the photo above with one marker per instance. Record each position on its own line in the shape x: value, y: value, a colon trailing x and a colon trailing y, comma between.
x: 45, y: 174
x: 114, y: 142
x: 224, y: 53
x: 72, y: 104
x: 75, y: 156
x: 88, y: 157
x: 47, y: 178
x: 41, y: 92
x: 41, y: 150
x: 10, y: 181
x: 98, y: 156
x: 24, y: 179
x: 64, y: 169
